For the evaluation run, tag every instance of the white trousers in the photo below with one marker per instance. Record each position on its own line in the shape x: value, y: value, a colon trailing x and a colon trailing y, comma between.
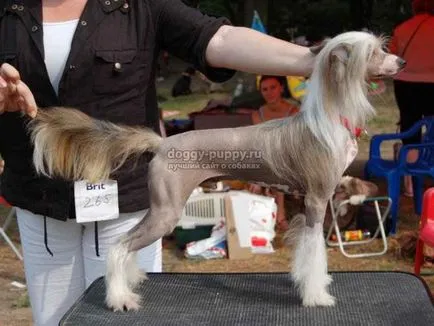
x: 55, y: 282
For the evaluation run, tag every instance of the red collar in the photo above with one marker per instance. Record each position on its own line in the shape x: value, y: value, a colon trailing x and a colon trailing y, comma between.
x: 356, y: 132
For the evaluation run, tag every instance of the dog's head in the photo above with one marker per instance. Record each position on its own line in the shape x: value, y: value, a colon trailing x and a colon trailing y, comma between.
x: 342, y: 70
x: 359, y: 54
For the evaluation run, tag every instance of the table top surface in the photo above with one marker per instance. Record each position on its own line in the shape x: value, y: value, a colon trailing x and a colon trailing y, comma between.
x: 363, y: 298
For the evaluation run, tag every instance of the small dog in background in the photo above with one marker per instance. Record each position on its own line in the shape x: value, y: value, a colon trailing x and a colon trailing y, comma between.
x: 182, y: 85
x: 354, y: 189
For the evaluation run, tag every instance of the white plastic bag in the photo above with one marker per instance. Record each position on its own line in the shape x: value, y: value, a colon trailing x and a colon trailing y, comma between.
x: 209, y: 248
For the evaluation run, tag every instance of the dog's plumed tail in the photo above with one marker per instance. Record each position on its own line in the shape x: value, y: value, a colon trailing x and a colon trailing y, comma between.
x: 71, y: 145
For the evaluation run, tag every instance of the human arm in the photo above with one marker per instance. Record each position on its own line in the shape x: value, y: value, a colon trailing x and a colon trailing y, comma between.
x: 15, y: 95
x: 217, y: 49
x: 247, y: 50
x: 185, y: 32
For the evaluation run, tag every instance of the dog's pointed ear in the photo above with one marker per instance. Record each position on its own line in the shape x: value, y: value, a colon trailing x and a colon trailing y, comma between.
x: 315, y: 49
x: 341, y: 53
x: 338, y: 59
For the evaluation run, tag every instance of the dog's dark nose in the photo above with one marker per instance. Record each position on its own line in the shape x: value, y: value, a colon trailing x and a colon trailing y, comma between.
x: 401, y: 62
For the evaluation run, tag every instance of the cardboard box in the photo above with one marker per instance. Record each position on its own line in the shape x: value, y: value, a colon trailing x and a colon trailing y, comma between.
x: 235, y: 250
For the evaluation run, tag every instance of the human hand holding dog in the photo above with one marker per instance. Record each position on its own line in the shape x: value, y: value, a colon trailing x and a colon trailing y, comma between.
x: 15, y: 95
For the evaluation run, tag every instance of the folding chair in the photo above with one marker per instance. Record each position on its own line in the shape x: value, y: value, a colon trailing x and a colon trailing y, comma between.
x: 380, y: 229
x: 4, y: 227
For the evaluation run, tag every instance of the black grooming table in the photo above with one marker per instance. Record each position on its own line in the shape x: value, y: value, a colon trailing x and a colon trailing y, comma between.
x: 365, y: 298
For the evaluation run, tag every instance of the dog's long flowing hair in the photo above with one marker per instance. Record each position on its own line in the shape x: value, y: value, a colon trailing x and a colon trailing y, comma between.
x: 323, y: 111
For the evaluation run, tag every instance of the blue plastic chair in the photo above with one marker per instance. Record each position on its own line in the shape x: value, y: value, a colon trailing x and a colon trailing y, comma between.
x: 394, y: 170
x: 423, y: 167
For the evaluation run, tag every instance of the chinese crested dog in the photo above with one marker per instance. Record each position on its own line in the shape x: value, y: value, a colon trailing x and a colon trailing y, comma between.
x: 308, y: 152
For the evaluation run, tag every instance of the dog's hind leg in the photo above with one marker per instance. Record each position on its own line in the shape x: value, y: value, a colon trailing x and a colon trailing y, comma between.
x: 167, y: 192
x: 119, y: 287
x: 309, y: 268
x: 123, y: 273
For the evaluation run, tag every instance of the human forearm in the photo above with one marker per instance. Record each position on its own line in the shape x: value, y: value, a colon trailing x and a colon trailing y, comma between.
x: 247, y: 50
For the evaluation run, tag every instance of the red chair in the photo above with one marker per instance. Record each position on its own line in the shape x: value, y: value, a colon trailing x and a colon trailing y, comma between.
x: 4, y: 227
x: 426, y: 233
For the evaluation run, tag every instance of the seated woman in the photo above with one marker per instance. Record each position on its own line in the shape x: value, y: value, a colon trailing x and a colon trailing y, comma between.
x: 275, y: 107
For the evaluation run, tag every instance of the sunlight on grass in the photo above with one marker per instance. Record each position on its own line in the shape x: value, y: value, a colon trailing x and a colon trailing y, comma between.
x: 384, y: 121
x: 381, y: 122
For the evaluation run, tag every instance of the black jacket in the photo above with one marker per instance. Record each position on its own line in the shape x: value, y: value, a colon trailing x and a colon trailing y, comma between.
x: 131, y: 33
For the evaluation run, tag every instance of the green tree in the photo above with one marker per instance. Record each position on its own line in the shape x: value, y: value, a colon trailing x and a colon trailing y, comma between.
x: 313, y: 18
x: 238, y: 11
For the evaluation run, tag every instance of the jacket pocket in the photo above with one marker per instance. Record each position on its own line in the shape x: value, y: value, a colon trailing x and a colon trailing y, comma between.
x: 116, y: 71
x: 8, y: 57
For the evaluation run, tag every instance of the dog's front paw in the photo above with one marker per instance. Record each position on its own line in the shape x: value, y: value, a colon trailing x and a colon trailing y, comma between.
x: 328, y: 279
x: 357, y: 199
x: 121, y: 302
x: 323, y: 299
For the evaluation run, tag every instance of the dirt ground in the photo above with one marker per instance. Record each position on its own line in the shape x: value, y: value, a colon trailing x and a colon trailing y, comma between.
x: 14, y: 306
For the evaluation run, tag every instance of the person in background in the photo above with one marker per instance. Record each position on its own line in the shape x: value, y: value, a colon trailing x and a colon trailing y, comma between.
x: 413, y: 40
x: 66, y: 59
x: 275, y: 107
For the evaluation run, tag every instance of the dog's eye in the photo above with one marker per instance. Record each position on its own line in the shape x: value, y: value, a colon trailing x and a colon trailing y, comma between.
x: 382, y: 55
x: 378, y: 56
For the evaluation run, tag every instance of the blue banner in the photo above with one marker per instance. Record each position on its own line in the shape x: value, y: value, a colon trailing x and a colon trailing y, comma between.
x: 257, y: 23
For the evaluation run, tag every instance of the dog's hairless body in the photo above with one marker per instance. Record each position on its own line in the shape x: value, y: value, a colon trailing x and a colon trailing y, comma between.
x: 175, y: 176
